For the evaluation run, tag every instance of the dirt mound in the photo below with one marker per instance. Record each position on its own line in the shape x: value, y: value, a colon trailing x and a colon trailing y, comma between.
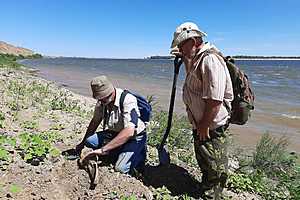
x: 63, y: 180
x: 6, y: 48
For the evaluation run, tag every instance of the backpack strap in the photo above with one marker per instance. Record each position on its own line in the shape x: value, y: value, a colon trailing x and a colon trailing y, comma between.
x: 205, y: 53
x: 105, y: 114
x: 201, y: 58
x: 122, y: 98
x: 211, y: 51
x: 227, y: 107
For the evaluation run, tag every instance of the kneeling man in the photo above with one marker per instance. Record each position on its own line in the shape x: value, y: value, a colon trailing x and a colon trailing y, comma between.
x: 125, y: 136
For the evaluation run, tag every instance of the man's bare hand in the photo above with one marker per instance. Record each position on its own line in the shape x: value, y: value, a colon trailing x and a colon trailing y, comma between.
x: 203, y: 133
x: 175, y: 51
x: 91, y: 154
x: 79, y: 148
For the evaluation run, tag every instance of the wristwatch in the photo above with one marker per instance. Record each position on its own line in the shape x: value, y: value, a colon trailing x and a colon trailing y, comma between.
x: 102, y: 151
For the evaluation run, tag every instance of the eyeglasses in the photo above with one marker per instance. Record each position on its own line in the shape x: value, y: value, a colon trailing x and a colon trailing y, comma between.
x: 106, y: 100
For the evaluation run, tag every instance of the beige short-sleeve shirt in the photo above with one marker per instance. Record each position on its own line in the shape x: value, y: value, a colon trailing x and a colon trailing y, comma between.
x: 209, y: 79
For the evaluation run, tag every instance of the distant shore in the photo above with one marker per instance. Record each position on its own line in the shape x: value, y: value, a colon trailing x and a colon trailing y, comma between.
x: 239, y: 57
x: 266, y: 58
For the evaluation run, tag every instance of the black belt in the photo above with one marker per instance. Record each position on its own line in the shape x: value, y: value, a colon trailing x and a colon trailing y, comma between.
x: 221, y: 129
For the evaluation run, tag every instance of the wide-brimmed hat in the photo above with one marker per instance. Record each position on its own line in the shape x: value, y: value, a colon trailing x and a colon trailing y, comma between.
x: 101, y: 87
x: 185, y: 31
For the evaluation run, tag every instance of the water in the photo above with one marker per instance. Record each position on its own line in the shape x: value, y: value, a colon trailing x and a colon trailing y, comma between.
x: 276, y: 84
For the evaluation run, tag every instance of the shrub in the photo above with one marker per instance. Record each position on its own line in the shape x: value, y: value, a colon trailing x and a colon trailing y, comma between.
x: 179, y: 136
x: 254, y: 182
x: 60, y: 101
x: 274, y: 173
x: 35, y: 147
x: 162, y: 194
x: 271, y: 155
x: 9, y: 60
x: 6, y: 144
x: 131, y: 197
x: 30, y: 125
x: 2, y: 118
x: 15, y: 188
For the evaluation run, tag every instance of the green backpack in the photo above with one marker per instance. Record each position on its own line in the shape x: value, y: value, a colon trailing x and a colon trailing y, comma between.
x: 243, y: 101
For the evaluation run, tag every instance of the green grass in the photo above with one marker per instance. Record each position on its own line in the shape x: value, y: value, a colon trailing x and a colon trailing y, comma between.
x: 180, y: 139
x: 271, y: 155
x: 6, y: 144
x: 2, y: 118
x: 179, y: 136
x: 38, y: 146
x: 57, y: 127
x: 271, y: 172
x: 15, y: 188
x: 33, y: 125
x: 35, y: 93
x: 30, y: 146
x: 131, y: 197
x: 9, y: 61
x: 162, y: 194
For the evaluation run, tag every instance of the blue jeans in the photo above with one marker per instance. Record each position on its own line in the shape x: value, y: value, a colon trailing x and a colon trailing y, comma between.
x: 131, y: 155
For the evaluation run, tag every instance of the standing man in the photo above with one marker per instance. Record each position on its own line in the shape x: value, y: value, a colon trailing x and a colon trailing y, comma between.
x: 125, y: 137
x: 207, y: 94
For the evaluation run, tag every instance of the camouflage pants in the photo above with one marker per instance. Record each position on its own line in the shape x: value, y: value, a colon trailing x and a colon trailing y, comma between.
x: 212, y: 158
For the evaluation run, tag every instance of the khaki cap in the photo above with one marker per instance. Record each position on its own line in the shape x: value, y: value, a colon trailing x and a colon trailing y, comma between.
x: 101, y: 87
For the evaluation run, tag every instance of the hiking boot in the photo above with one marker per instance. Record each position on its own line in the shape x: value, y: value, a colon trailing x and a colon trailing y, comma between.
x: 213, y: 193
x: 206, y: 190
x: 223, y: 180
x: 207, y: 194
x: 209, y: 189
x: 71, y: 154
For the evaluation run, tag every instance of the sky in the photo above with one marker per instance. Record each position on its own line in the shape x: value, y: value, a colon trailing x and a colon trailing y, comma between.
x: 137, y: 28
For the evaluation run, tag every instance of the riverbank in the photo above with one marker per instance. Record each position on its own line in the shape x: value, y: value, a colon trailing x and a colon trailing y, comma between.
x: 275, y: 113
x: 40, y: 119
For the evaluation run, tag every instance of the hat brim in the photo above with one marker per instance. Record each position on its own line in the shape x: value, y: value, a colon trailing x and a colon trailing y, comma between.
x: 179, y: 38
x: 102, y: 94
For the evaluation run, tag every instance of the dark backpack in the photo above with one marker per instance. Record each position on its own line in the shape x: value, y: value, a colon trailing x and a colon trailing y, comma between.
x: 144, y: 106
x: 243, y: 101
